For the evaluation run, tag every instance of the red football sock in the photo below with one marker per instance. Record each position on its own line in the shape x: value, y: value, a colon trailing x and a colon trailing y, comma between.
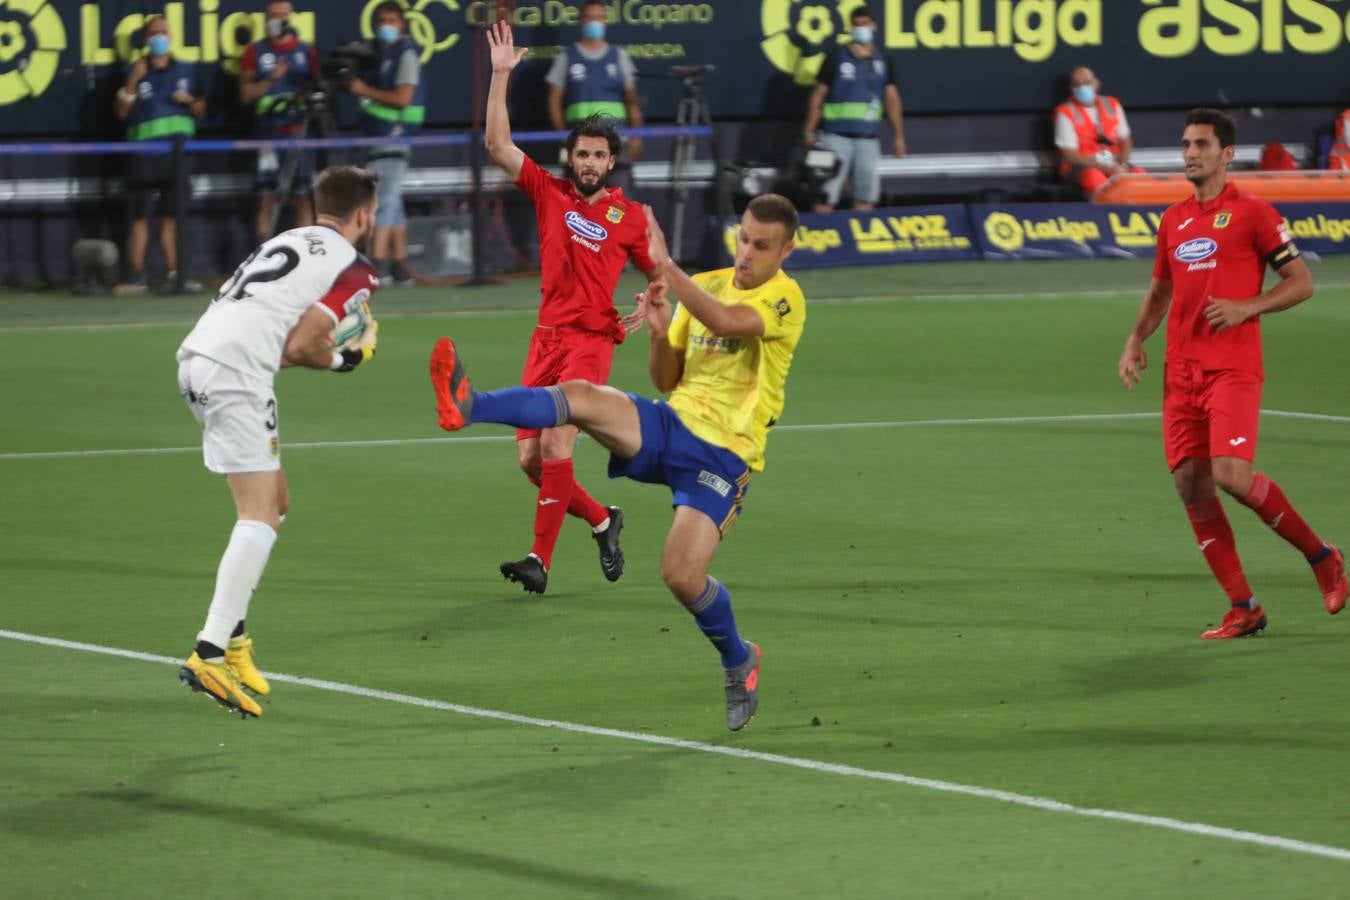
x: 555, y: 496
x: 1269, y: 502
x: 1220, y: 548
x: 583, y: 506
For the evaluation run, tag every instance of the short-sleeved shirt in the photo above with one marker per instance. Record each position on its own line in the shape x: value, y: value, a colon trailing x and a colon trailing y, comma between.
x: 733, y: 389
x: 583, y: 248
x: 247, y: 324
x: 1218, y: 248
x: 557, y: 72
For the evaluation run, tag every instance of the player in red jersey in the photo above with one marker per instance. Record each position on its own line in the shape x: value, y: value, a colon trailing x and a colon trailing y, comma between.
x: 1212, y: 253
x: 587, y: 233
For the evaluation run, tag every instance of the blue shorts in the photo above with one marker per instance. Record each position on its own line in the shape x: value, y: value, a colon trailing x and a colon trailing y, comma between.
x: 711, y: 479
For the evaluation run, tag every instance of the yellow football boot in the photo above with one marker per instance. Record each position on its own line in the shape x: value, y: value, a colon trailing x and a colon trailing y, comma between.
x: 239, y: 657
x: 219, y: 683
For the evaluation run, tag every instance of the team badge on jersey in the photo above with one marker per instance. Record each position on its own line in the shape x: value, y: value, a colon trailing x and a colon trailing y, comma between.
x: 614, y: 214
x: 1222, y: 218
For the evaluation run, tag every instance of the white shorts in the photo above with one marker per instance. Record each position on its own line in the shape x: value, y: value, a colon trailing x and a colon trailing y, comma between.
x: 238, y: 415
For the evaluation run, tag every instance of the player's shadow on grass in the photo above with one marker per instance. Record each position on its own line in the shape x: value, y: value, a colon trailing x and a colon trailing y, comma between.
x: 521, y: 868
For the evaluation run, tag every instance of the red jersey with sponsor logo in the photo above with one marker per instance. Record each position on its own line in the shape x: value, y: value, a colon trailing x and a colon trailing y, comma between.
x: 582, y: 250
x: 1218, y: 248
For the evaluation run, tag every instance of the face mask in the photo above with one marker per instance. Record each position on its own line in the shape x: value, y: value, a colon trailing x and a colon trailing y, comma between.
x: 387, y: 34
x: 277, y: 27
x: 593, y: 31
x: 1084, y: 93
x: 862, y: 34
x: 159, y: 44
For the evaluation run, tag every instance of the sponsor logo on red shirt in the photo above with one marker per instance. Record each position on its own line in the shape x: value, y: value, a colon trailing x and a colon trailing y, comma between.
x: 1196, y: 249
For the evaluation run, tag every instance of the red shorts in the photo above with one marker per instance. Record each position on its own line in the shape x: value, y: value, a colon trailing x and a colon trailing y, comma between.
x: 565, y: 354
x: 1208, y: 413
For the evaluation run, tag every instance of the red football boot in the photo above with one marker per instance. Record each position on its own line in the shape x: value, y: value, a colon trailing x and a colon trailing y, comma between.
x: 454, y: 396
x: 1330, y: 574
x: 1239, y: 622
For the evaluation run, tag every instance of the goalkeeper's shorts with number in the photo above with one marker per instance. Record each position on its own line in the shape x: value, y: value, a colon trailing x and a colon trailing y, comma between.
x: 238, y: 415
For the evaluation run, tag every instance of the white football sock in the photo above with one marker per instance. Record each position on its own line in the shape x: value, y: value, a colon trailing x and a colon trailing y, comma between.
x: 241, y: 568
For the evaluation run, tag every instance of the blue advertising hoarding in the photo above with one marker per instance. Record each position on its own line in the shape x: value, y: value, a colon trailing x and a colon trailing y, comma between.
x: 1010, y: 231
x: 875, y: 237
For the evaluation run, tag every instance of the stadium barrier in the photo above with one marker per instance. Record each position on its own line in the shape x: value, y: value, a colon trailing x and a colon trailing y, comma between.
x: 178, y: 151
x: 1005, y: 231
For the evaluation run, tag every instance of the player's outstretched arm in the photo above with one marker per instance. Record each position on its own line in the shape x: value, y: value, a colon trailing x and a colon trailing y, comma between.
x: 1133, y: 359
x: 737, y: 320
x: 505, y: 57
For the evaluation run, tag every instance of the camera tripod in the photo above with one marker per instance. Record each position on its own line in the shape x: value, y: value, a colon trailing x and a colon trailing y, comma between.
x: 692, y: 110
x: 318, y: 122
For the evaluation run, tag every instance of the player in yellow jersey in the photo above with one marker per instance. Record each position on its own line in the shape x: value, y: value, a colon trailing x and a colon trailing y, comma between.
x: 724, y: 355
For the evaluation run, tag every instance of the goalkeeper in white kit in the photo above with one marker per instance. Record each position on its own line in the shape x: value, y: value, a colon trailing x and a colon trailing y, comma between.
x: 281, y: 308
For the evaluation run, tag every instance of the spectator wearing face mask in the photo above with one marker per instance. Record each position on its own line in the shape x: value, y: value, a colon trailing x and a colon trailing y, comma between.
x: 159, y: 101
x: 594, y: 77
x: 394, y: 106
x: 1092, y: 134
x: 855, y: 84
x: 275, y: 75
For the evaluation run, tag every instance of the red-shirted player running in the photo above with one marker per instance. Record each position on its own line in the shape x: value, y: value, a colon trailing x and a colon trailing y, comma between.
x: 586, y: 235
x: 1212, y: 253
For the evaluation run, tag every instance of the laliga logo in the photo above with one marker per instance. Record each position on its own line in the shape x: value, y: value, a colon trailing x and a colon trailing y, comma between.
x: 31, y: 40
x: 798, y: 32
x: 420, y: 28
x: 1196, y: 249
x: 1004, y: 231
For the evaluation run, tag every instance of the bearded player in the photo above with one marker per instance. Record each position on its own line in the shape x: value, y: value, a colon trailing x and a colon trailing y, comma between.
x: 587, y: 233
x: 1213, y: 250
x: 275, y: 311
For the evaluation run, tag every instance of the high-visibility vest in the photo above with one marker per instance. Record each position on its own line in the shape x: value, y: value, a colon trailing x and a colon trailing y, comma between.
x: 1094, y: 137
x: 155, y: 116
x: 594, y: 86
x: 380, y: 119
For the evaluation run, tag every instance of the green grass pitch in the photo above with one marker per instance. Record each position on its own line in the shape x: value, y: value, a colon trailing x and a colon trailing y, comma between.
x: 989, y: 582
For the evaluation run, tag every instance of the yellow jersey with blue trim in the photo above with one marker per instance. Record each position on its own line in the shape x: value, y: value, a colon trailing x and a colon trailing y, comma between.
x: 733, y: 388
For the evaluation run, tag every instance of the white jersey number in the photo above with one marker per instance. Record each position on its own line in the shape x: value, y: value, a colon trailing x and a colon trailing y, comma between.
x: 273, y: 265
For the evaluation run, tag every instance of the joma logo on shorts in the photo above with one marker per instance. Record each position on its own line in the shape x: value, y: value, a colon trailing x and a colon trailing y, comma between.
x: 716, y: 482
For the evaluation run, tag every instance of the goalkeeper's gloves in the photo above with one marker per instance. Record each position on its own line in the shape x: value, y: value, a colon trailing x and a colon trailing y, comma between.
x: 347, y: 358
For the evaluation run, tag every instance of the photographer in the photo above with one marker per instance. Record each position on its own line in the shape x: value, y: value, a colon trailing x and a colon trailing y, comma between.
x: 393, y: 107
x: 593, y: 77
x: 159, y: 101
x: 275, y: 75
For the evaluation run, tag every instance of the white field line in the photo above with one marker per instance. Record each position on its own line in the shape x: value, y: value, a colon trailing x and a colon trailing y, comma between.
x: 811, y: 765
x: 496, y: 438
